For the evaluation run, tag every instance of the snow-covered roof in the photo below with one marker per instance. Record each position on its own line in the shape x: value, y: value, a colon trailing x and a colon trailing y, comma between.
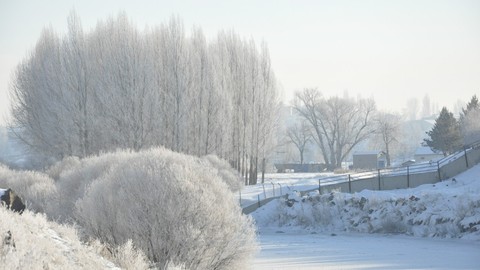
x: 362, y: 153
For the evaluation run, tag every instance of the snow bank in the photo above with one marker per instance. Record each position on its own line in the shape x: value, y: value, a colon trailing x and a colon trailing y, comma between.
x: 449, y: 209
x: 29, y: 241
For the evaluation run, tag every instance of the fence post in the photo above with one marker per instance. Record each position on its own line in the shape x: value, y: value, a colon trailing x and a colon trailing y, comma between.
x: 438, y: 171
x: 259, y: 200
x: 319, y: 188
x: 408, y: 176
x: 273, y: 185
x: 264, y: 193
x: 281, y: 193
x: 465, y: 153
x: 263, y: 170
x: 379, y: 188
x: 240, y: 191
x: 349, y: 184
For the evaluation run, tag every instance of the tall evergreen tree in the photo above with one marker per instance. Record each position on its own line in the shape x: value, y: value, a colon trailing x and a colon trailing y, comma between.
x: 472, y: 105
x: 445, y: 135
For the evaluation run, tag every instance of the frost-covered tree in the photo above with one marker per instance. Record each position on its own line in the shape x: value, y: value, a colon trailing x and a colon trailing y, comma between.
x: 426, y: 107
x: 299, y: 135
x: 77, y: 91
x: 36, y: 91
x: 118, y: 87
x: 445, y: 135
x: 412, y: 109
x: 388, y: 129
x: 470, y: 121
x: 338, y: 124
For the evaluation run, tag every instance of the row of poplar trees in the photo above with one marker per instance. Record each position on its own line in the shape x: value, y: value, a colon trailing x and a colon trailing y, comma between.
x: 115, y: 86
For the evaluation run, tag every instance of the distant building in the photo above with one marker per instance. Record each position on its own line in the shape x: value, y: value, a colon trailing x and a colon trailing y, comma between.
x: 425, y: 154
x: 368, y: 160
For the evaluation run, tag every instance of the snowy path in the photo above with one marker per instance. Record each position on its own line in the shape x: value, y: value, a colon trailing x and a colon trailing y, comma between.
x: 360, y: 251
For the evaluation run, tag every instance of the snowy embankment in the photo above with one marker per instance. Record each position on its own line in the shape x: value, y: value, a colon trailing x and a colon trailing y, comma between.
x: 449, y: 209
x: 29, y: 241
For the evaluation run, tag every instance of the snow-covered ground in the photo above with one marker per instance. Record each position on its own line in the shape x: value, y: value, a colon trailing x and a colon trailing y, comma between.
x: 280, y: 183
x: 429, y: 227
x: 36, y: 243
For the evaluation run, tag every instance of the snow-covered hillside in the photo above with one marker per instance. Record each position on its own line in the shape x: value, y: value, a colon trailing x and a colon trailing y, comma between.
x: 449, y: 209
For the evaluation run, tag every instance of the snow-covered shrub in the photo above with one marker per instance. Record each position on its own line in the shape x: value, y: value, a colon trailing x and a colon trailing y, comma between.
x: 392, y: 225
x: 125, y: 256
x: 63, y: 166
x: 72, y: 178
x: 29, y: 241
x: 173, y: 207
x: 36, y: 189
x: 231, y: 177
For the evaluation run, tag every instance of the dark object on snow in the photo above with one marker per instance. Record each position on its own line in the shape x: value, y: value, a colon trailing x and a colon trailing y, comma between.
x: 413, y: 198
x: 454, y: 180
x: 8, y: 240
x: 290, y: 202
x: 11, y: 200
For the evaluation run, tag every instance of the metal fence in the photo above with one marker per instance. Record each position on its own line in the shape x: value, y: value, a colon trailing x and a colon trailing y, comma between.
x: 391, y: 178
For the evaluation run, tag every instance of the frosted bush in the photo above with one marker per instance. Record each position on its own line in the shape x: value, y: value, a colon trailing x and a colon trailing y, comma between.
x: 391, y: 225
x: 230, y: 176
x: 66, y: 165
x: 36, y: 189
x: 172, y: 206
x: 322, y: 214
x: 125, y: 256
x: 73, y: 178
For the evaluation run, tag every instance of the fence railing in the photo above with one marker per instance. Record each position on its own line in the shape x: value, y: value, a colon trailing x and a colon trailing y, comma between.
x: 390, y: 178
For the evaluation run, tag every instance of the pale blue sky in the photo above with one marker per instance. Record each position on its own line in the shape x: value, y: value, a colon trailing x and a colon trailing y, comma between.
x: 391, y: 50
